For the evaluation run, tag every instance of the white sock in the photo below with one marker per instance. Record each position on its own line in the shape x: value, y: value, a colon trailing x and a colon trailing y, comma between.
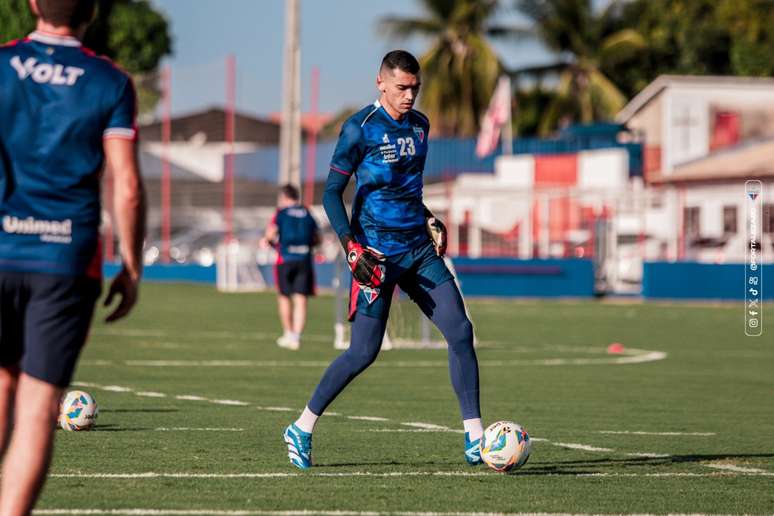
x: 295, y: 337
x: 307, y: 420
x: 473, y: 428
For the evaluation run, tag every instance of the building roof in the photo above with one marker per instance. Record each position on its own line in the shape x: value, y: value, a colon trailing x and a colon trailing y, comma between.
x: 210, y: 126
x: 752, y: 160
x: 655, y: 88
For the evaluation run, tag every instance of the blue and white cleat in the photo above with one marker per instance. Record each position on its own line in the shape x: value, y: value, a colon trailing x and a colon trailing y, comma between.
x: 299, y: 446
x: 473, y: 451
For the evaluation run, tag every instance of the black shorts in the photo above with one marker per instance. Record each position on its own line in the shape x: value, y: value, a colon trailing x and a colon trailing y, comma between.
x: 295, y: 277
x: 44, y: 321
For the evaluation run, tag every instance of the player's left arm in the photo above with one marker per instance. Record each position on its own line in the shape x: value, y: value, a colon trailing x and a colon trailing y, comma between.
x: 130, y: 212
x: 120, y: 148
x: 437, y: 231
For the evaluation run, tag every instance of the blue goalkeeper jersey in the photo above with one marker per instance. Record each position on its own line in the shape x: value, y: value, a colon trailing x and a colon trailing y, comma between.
x: 387, y: 157
x: 57, y: 103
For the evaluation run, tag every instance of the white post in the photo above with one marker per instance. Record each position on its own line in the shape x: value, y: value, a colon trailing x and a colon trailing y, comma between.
x: 507, y: 132
x: 290, y: 129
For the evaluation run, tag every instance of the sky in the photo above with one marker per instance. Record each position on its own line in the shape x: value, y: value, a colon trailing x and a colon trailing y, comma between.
x: 340, y: 37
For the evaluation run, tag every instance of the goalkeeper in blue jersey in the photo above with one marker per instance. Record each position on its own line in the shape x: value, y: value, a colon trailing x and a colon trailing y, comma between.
x: 391, y: 240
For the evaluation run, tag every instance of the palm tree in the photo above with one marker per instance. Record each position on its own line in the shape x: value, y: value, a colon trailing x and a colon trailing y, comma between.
x: 584, y: 41
x: 460, y: 69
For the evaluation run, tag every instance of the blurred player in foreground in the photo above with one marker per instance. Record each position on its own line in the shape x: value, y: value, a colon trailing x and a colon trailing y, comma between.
x: 63, y: 113
x: 392, y: 240
x: 293, y: 231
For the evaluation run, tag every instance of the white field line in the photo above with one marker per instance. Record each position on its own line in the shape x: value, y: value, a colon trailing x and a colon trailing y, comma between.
x: 584, y: 447
x: 642, y: 357
x: 430, y: 427
x: 248, y: 512
x: 234, y: 403
x: 739, y: 469
x: 637, y: 432
x: 187, y: 429
x: 150, y: 475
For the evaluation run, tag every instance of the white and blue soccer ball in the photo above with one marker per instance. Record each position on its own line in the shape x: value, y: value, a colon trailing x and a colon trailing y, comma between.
x: 78, y: 411
x: 505, y: 446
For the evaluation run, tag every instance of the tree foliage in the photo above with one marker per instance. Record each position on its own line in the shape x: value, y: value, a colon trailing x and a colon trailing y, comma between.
x: 460, y: 69
x: 697, y: 37
x: 584, y: 42
x: 130, y: 32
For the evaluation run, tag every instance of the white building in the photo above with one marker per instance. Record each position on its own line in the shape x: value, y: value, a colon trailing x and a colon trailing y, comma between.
x: 703, y: 138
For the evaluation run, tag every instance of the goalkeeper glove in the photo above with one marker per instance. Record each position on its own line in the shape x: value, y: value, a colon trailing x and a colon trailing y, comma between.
x: 364, y: 263
x: 437, y: 232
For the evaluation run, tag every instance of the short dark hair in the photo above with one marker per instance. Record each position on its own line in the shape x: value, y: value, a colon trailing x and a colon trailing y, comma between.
x: 69, y: 13
x: 401, y: 60
x: 290, y: 191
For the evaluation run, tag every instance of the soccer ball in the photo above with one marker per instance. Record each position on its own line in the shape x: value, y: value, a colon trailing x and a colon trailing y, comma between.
x: 78, y: 411
x: 505, y: 446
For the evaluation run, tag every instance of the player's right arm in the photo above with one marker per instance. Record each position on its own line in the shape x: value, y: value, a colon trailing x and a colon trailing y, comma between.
x: 347, y: 157
x: 271, y: 235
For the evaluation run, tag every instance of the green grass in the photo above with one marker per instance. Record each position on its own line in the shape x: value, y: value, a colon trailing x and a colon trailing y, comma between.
x: 713, y: 380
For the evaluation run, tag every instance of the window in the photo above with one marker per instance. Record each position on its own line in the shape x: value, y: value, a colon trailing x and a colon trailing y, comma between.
x: 729, y: 220
x: 768, y: 218
x: 691, y: 226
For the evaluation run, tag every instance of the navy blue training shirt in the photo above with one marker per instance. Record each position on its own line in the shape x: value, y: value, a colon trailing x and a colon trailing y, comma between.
x: 58, y: 101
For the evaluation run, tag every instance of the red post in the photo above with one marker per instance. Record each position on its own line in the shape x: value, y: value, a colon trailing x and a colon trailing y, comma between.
x: 166, y: 169
x: 311, y: 144
x: 228, y: 176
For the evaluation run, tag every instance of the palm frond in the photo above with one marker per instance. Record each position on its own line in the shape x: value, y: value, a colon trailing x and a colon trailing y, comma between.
x: 620, y: 45
x: 405, y: 27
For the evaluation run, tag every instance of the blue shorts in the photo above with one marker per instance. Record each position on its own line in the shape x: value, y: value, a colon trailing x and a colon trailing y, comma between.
x: 416, y: 272
x: 44, y: 321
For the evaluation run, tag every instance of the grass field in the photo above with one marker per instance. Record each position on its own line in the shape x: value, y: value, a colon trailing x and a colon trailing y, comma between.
x: 194, y: 394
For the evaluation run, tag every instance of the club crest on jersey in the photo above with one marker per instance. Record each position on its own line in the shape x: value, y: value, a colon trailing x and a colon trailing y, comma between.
x: 420, y: 133
x: 370, y: 293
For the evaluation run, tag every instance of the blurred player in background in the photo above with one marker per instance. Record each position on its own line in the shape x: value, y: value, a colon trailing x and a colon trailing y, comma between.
x: 293, y: 232
x: 393, y: 239
x: 63, y: 113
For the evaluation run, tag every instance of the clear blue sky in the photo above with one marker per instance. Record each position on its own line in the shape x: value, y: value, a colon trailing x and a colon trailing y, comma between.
x: 339, y: 36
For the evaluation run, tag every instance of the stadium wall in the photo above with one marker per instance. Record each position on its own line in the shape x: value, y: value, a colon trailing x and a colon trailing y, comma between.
x: 489, y: 277
x: 704, y: 281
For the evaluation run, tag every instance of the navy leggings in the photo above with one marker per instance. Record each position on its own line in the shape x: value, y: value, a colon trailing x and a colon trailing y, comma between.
x: 444, y: 307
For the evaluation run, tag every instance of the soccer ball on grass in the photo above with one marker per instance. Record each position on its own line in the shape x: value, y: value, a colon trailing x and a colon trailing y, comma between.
x: 505, y: 446
x: 78, y: 411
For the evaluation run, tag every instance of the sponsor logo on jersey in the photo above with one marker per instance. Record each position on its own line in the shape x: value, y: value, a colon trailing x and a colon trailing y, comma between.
x: 420, y: 133
x: 57, y: 231
x: 298, y: 213
x: 46, y: 73
x: 389, y: 151
x: 298, y: 249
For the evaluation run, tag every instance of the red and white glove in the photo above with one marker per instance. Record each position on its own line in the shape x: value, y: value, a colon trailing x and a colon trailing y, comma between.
x: 437, y: 232
x: 364, y: 263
